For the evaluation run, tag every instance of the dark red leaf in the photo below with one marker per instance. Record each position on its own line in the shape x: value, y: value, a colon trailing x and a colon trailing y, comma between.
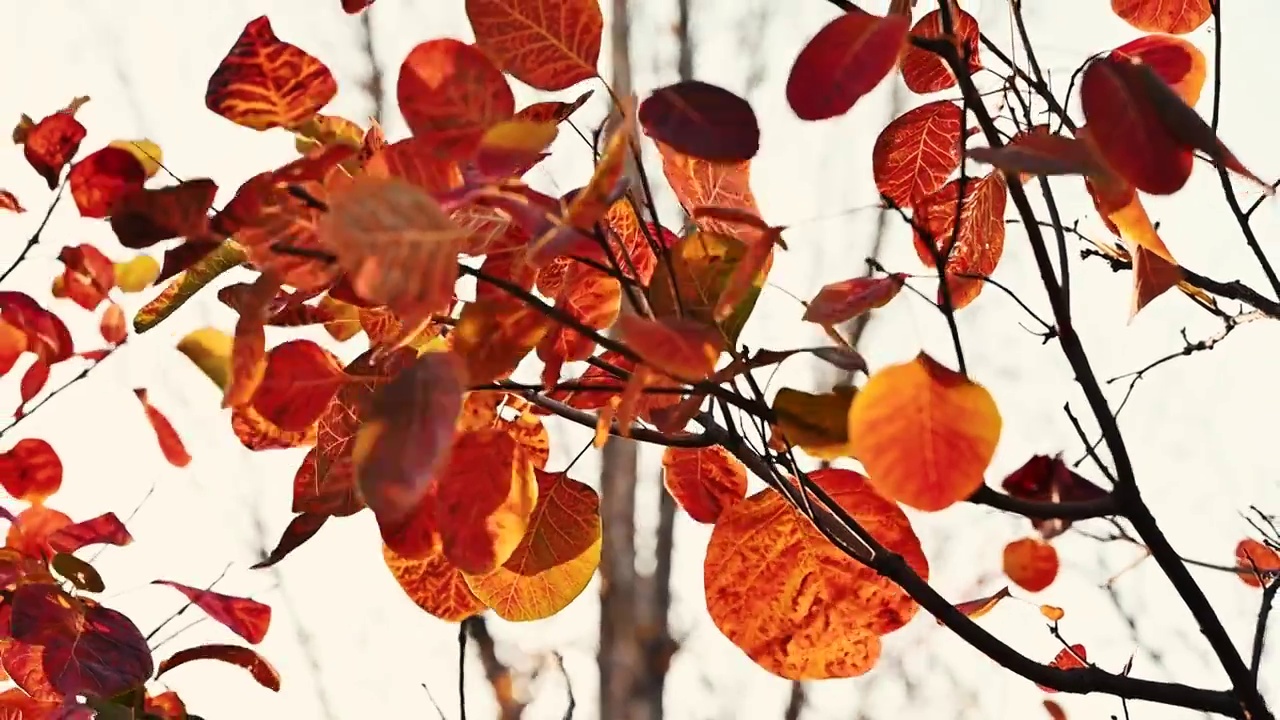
x: 702, y: 120
x: 247, y: 618
x: 245, y: 657
x: 302, y: 528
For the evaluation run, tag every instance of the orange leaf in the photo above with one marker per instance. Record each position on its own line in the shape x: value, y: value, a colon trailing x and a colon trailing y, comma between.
x: 698, y: 183
x: 846, y: 60
x: 555, y: 559
x: 924, y: 432
x: 249, y: 349
x: 817, y: 424
x: 170, y: 443
x: 485, y: 498
x: 46, y: 335
x: 101, y: 179
x: 796, y: 605
x: 1040, y: 153
x: 244, y: 657
x: 1176, y: 17
x: 434, y: 584
x: 592, y: 298
x: 511, y: 414
x: 396, y: 244
x: 914, y: 154
x: 548, y: 44
x: 1052, y: 613
x: 842, y: 301
x: 1055, y: 710
x: 684, y: 349
x: 31, y: 470
x: 701, y: 120
x: 415, y: 160
x: 51, y: 143
x: 975, y: 609
x: 1031, y: 563
x: 143, y: 217
x: 450, y: 93
x: 980, y: 241
x: 89, y: 275
x: 404, y: 440
x: 299, y: 381
x: 29, y: 534
x: 167, y: 706
x: 247, y: 618
x: 494, y: 335
x: 1253, y: 559
x: 264, y: 82
x: 257, y: 433
x: 704, y: 481
x: 1067, y: 659
x: 1179, y: 63
x: 925, y: 72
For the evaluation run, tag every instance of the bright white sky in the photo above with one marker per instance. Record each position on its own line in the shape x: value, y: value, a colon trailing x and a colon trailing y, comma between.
x: 344, y: 636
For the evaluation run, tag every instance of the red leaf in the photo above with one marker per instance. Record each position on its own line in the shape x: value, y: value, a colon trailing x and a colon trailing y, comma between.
x: 450, y: 93
x: 701, y: 120
x: 245, y: 657
x: 552, y: 110
x: 978, y: 244
x: 351, y: 7
x: 300, y: 380
x: 87, y: 649
x: 548, y: 44
x: 113, y: 326
x: 302, y: 528
x: 264, y: 82
x: 170, y: 443
x: 31, y: 471
x: 89, y: 275
x: 1048, y: 479
x: 916, y: 153
x: 842, y: 301
x: 144, y: 217
x: 9, y: 202
x: 1066, y: 659
x: 101, y: 179
x: 51, y: 143
x: 106, y: 529
x: 47, y: 335
x: 1179, y: 63
x: 406, y: 437
x: 846, y: 60
x: 247, y: 618
x: 1176, y: 17
x: 926, y: 72
x: 703, y: 481
x: 33, y: 381
x: 30, y: 532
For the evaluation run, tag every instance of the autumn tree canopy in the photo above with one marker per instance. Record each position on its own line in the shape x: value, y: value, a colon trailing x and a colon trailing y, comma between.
x: 631, y: 325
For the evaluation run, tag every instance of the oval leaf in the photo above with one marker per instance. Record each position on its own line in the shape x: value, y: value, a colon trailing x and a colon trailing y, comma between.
x: 846, y: 60
x: 548, y: 44
x: 701, y: 120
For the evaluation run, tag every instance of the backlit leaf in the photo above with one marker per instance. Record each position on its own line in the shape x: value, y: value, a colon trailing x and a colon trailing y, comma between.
x: 816, y: 423
x: 450, y: 93
x: 693, y: 282
x: 846, y: 60
x: 553, y: 110
x: 143, y: 217
x: 926, y: 72
x: 512, y: 147
x: 105, y: 529
x: 247, y: 618
x: 1031, y: 563
x: 687, y: 350
x: 210, y: 350
x: 300, y: 529
x: 548, y: 44
x: 397, y: 245
x: 980, y: 241
x: 494, y: 335
x: 975, y: 609
x: 29, y: 533
x: 300, y: 379
x: 924, y: 432
x: 916, y: 152
x: 1176, y: 17
x: 1254, y: 559
x: 249, y: 346
x: 1066, y: 659
x: 88, y: 276
x: 793, y: 602
x: 147, y: 152
x: 555, y: 559
x: 485, y: 498
x: 1179, y: 63
x: 244, y: 657
x: 701, y: 120
x: 187, y: 283
x: 698, y: 183
x: 88, y: 649
x: 264, y: 82
x: 1038, y: 153
x: 31, y: 470
x: 404, y: 440
x: 434, y: 584
x: 704, y: 481
x: 102, y: 178
x: 842, y: 301
x: 46, y: 334
x: 13, y: 342
x: 170, y: 442
x: 50, y: 144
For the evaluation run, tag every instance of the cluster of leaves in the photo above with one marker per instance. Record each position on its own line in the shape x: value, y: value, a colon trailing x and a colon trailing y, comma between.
x: 427, y: 430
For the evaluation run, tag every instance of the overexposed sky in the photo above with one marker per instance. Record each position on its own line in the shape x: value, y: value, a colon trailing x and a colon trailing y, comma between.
x: 344, y: 637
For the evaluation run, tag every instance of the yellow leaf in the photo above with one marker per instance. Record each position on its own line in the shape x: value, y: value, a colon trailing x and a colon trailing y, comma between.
x: 187, y: 283
x: 210, y: 350
x: 817, y: 424
x: 137, y: 274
